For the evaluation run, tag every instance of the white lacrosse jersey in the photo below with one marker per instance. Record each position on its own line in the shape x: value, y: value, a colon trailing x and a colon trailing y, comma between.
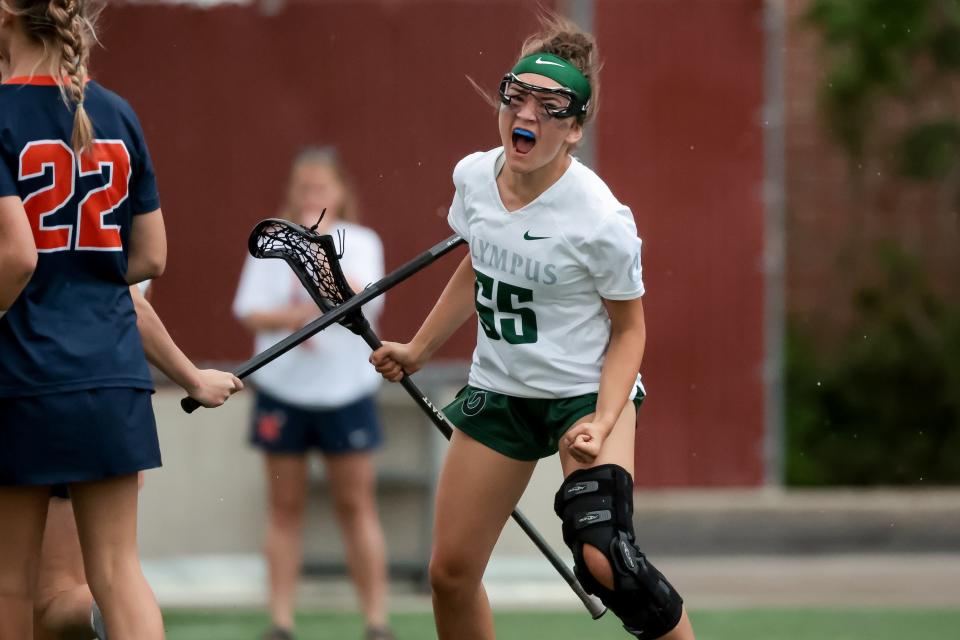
x: 330, y: 369
x: 541, y: 274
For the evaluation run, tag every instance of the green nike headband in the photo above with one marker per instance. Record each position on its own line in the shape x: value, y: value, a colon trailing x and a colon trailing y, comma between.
x: 556, y: 68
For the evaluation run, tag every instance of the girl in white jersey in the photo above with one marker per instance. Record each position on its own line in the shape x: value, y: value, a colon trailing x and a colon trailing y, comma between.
x: 320, y: 396
x: 554, y: 276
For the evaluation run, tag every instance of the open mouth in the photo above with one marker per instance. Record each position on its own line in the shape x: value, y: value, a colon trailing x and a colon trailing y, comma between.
x: 523, y: 140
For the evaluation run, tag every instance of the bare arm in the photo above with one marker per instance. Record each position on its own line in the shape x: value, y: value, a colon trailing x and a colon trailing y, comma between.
x: 454, y: 306
x: 287, y: 318
x: 452, y: 309
x: 147, y: 257
x: 18, y: 253
x: 628, y: 337
x: 209, y: 386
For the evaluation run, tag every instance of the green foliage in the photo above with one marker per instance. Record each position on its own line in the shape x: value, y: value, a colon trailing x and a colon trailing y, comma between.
x: 880, y: 51
x: 930, y: 150
x: 884, y: 407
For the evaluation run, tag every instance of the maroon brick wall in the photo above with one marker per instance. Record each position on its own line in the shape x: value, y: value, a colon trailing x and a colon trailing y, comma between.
x: 837, y: 210
x: 227, y: 95
x: 680, y: 141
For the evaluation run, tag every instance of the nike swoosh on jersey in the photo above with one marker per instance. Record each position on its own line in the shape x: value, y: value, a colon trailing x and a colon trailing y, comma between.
x: 542, y: 61
x: 527, y: 236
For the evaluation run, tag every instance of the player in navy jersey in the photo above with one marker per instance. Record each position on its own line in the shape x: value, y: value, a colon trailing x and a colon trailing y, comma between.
x: 74, y: 384
x: 63, y: 605
x: 18, y: 257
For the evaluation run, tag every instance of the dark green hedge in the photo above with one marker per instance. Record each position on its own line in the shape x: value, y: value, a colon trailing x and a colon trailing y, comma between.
x: 883, y: 406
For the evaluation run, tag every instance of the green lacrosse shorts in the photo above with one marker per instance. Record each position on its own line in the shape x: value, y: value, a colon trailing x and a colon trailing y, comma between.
x: 519, y: 428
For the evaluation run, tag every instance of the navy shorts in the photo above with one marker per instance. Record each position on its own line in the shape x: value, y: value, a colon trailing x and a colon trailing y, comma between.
x: 60, y: 491
x: 279, y: 427
x: 77, y: 436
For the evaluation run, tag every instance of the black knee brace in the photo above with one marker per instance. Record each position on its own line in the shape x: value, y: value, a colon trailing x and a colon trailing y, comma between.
x: 596, y: 506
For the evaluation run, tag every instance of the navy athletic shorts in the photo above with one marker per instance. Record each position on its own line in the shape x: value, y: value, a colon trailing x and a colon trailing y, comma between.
x: 61, y: 491
x: 77, y: 436
x: 279, y: 427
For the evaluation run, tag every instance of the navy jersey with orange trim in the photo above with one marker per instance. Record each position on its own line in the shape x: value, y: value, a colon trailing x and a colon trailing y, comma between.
x: 74, y: 326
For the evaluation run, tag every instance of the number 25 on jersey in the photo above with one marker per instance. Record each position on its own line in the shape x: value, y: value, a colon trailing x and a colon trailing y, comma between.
x: 90, y: 233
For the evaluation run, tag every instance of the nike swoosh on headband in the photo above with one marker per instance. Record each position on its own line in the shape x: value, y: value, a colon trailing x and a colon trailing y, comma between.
x: 542, y: 61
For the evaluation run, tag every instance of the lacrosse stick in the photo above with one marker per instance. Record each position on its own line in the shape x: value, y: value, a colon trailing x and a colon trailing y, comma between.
x: 316, y: 261
x: 316, y: 326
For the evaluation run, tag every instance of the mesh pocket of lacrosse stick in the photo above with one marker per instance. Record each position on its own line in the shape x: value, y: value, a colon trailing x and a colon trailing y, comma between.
x: 313, y: 257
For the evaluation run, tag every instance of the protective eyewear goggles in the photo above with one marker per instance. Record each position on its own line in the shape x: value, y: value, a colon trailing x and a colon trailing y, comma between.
x: 557, y: 103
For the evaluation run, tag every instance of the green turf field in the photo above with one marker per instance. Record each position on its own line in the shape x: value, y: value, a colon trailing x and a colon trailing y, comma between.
x: 759, y: 624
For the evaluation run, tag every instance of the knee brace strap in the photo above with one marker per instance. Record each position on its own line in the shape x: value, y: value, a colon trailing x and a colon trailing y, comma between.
x: 596, y: 506
x: 594, y: 503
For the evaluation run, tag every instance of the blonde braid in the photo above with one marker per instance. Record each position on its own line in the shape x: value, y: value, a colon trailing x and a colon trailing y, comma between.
x: 69, y: 24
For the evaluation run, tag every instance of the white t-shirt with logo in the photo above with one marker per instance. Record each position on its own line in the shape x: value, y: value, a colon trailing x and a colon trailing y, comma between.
x: 330, y: 369
x: 541, y: 274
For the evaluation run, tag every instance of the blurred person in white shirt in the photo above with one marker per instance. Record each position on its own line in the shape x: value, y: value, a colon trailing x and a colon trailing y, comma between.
x: 319, y: 396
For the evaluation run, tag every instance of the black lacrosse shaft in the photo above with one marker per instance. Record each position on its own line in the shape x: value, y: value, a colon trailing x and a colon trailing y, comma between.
x: 336, y: 315
x: 361, y: 327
